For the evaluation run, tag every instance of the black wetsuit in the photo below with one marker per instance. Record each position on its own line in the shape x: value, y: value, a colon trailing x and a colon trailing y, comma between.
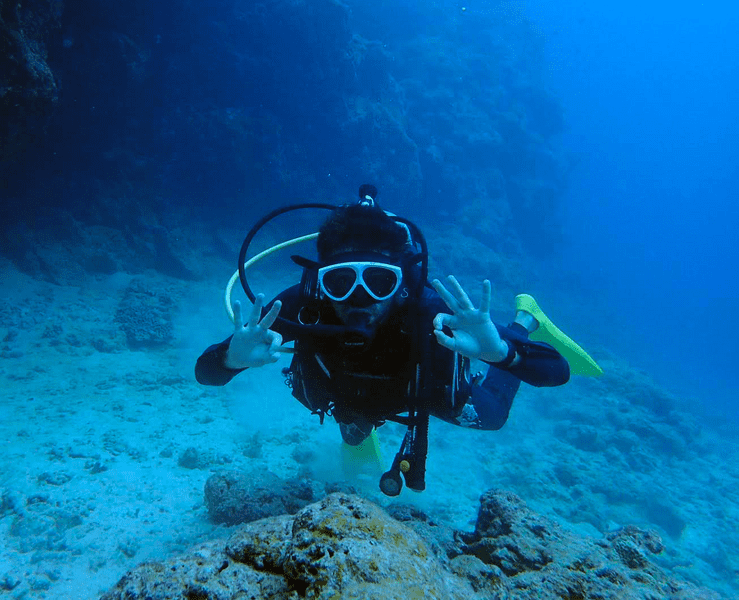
x: 369, y: 384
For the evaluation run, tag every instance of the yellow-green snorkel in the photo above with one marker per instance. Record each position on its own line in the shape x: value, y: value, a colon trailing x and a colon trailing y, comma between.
x: 243, y: 264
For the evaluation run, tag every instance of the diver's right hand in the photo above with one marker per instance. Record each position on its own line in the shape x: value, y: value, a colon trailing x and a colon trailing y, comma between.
x: 254, y: 344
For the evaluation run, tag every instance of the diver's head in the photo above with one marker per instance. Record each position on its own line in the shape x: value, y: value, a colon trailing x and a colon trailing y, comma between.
x: 361, y: 251
x: 361, y: 228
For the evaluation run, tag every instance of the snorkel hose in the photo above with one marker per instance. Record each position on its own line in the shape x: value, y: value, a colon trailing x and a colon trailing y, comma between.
x: 255, y: 259
x: 254, y: 230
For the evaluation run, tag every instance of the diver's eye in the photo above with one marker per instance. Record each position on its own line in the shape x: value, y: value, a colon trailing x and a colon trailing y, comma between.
x: 338, y: 282
x: 380, y: 281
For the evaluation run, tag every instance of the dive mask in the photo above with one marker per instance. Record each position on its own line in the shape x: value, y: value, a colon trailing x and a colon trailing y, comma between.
x: 380, y: 280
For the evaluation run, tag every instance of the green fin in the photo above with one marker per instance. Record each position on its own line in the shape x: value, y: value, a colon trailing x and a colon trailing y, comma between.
x: 364, y: 457
x: 580, y: 362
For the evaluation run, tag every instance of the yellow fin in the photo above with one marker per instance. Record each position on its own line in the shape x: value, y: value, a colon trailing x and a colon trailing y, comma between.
x: 364, y: 457
x: 579, y: 360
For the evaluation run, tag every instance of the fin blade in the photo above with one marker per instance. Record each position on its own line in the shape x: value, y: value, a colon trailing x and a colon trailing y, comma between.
x: 580, y: 361
x: 366, y: 456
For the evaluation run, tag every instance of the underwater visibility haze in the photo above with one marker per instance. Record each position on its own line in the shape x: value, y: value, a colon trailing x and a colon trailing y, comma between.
x: 580, y: 152
x: 651, y: 212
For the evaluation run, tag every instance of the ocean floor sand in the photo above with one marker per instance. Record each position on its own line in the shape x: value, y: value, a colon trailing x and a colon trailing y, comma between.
x: 107, y: 448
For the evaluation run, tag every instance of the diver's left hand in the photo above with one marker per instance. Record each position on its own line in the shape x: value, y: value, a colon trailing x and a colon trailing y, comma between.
x: 473, y: 333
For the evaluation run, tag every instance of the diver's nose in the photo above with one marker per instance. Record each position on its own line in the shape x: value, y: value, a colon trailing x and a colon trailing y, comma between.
x: 360, y: 298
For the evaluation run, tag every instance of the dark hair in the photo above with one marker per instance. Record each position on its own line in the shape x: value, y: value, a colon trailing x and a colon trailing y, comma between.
x: 362, y: 229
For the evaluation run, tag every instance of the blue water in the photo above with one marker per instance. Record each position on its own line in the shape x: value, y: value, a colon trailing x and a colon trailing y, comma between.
x: 650, y: 91
x: 590, y: 160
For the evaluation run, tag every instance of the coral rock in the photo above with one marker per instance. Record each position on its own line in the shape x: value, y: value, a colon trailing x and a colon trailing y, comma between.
x: 341, y: 547
x: 347, y: 547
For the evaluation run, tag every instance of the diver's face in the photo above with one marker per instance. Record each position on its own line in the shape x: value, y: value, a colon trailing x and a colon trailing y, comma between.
x: 357, y: 311
x: 360, y: 309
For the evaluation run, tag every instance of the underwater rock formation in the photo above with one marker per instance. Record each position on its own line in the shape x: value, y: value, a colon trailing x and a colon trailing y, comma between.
x: 28, y: 91
x: 340, y: 547
x: 539, y: 559
x: 347, y: 547
x: 145, y: 316
x: 450, y: 114
x: 235, y: 497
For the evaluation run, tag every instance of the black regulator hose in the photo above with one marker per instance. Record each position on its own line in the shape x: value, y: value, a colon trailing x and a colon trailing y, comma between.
x: 254, y: 230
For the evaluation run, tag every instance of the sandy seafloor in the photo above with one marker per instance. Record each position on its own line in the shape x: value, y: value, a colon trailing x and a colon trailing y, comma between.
x: 93, y: 431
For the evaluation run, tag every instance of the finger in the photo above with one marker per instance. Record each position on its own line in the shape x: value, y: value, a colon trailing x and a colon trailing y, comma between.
x: 445, y: 295
x: 271, y: 316
x: 443, y: 319
x: 275, y: 342
x: 256, y: 310
x: 459, y: 294
x: 238, y: 319
x: 274, y: 347
x: 487, y: 292
x: 445, y: 340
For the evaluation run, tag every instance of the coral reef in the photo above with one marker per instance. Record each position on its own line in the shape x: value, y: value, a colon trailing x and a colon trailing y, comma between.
x: 437, y: 117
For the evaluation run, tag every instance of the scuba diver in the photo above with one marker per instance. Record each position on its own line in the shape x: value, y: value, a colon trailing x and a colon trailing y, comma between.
x: 375, y: 342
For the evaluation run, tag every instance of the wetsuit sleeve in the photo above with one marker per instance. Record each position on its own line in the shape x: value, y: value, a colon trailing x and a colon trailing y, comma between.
x: 210, y: 368
x: 539, y: 364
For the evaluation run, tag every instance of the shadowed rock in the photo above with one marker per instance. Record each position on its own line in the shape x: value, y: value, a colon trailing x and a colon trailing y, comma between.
x: 234, y: 497
x: 542, y: 560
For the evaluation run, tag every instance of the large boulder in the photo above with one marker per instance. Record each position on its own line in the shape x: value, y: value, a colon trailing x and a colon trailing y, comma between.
x: 347, y: 547
x: 341, y: 547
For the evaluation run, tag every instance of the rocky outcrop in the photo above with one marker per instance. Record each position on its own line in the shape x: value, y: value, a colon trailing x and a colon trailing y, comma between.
x: 145, y: 316
x: 235, y: 497
x: 28, y: 91
x: 341, y: 547
x: 347, y: 547
x: 539, y: 559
